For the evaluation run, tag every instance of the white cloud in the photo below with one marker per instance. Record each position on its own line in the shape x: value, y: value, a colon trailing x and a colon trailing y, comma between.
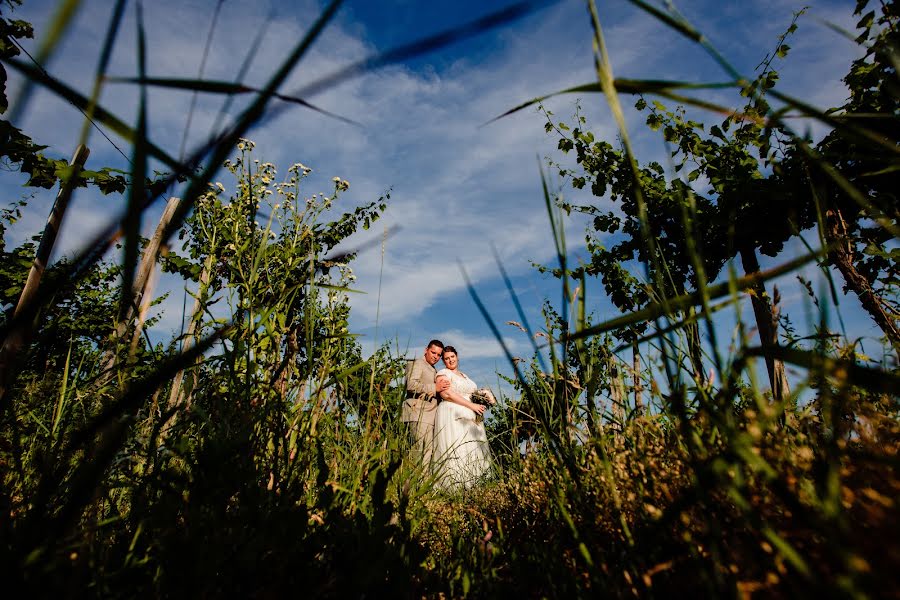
x: 474, y: 346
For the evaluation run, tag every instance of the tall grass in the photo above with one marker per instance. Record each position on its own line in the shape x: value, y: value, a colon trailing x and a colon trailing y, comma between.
x: 260, y: 453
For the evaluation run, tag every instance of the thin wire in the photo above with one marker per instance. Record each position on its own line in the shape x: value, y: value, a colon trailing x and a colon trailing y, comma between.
x: 245, y: 66
x: 94, y: 123
x: 209, y: 36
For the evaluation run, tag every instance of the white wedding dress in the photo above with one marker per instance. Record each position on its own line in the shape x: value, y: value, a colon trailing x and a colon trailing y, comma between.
x: 461, y: 453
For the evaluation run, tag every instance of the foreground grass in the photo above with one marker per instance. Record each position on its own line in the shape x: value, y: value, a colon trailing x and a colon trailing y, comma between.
x: 644, y: 517
x: 645, y: 513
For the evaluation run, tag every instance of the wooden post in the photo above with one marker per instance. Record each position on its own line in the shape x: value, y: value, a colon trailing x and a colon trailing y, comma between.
x: 51, y: 231
x: 25, y: 309
x: 176, y: 397
x: 617, y: 395
x: 140, y: 286
x: 767, y: 326
x: 638, y: 386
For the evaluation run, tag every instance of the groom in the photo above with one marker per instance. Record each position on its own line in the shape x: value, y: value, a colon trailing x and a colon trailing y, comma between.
x: 421, y: 402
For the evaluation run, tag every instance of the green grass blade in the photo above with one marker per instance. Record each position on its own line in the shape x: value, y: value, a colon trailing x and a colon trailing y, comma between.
x: 411, y: 50
x: 61, y: 402
x: 223, y: 87
x: 109, y: 41
x: 131, y: 223
x: 843, y: 123
x: 678, y: 23
x: 634, y: 86
x: 703, y: 314
x: 202, y: 67
x: 242, y: 71
x: 105, y: 117
x: 682, y: 302
x: 876, y: 380
x: 56, y: 31
x: 106, y: 433
x: 519, y: 310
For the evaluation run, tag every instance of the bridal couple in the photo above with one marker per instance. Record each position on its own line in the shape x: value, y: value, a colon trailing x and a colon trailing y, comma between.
x: 446, y: 428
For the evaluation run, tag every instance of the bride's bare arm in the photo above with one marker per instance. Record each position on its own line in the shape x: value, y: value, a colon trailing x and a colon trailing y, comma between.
x: 452, y: 396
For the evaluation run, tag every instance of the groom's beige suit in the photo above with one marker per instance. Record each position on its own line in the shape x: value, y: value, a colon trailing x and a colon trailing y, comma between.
x: 420, y: 407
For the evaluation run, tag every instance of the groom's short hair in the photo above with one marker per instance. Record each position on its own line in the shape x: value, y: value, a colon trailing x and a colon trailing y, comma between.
x: 437, y: 343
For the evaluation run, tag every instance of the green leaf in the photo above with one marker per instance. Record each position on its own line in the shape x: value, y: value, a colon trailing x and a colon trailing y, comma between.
x: 867, y: 20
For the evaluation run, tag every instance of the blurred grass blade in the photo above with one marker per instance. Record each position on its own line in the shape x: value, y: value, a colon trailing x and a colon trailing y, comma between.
x: 546, y: 427
x: 588, y: 87
x: 64, y: 386
x: 112, y: 426
x: 200, y: 71
x: 518, y: 305
x: 100, y: 114
x: 875, y: 380
x: 222, y: 87
x: 842, y: 123
x: 558, y: 232
x: 603, y: 69
x: 56, y: 31
x: 109, y: 41
x: 787, y: 551
x: 678, y: 23
x: 635, y: 86
x: 139, y: 389
x: 344, y: 255
x: 678, y: 303
x: 131, y: 223
x: 242, y: 71
x: 66, y: 11
x: 703, y: 314
x: 411, y: 50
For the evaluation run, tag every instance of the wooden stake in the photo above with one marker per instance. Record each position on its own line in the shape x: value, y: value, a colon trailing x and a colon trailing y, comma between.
x: 26, y: 310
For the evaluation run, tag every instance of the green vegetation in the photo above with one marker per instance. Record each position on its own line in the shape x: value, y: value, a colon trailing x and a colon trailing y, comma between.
x: 259, y: 454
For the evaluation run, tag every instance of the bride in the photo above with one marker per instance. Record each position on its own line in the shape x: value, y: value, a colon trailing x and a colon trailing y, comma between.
x: 460, y: 440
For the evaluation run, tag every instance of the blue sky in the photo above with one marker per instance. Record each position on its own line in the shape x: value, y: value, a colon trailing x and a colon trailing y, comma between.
x: 457, y: 187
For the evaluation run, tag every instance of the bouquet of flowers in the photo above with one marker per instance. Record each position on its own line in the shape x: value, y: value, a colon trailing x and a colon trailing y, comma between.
x: 483, y: 396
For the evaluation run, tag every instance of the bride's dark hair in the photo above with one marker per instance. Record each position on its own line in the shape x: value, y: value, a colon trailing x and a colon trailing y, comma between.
x: 449, y: 349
